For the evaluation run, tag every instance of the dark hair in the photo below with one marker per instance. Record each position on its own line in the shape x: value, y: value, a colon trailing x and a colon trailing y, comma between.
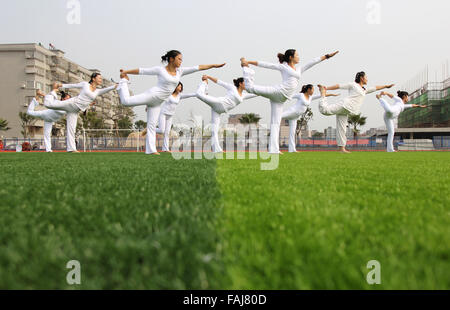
x: 305, y: 88
x: 182, y: 87
x: 93, y: 76
x: 402, y: 94
x: 64, y: 95
x: 359, y: 76
x: 238, y: 81
x: 170, y: 54
x: 286, y: 57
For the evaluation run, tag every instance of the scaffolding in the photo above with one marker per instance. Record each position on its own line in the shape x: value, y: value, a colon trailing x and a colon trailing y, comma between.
x: 435, y: 95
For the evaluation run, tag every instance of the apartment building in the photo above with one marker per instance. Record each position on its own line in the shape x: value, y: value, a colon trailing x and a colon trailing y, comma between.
x: 28, y: 67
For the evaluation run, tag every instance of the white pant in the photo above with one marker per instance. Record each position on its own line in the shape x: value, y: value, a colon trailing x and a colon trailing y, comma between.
x: 215, y: 103
x: 215, y: 126
x: 153, y: 101
x: 165, y: 125
x: 293, y: 117
x: 152, y: 119
x: 149, y: 98
x: 341, y: 118
x: 217, y: 109
x: 277, y: 99
x: 390, y: 125
x: 72, y: 118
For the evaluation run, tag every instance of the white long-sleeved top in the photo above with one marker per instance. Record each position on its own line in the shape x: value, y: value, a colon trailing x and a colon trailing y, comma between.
x: 302, y: 103
x: 170, y: 105
x: 166, y: 83
x: 86, y: 96
x: 232, y: 99
x: 291, y: 77
x: 356, y: 95
x: 397, y: 107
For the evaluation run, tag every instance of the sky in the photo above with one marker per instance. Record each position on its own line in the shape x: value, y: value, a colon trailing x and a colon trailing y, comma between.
x: 391, y: 40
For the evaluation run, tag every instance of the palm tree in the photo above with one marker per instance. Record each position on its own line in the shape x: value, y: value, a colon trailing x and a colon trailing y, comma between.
x: 356, y: 121
x: 26, y: 121
x: 140, y: 125
x: 4, y: 125
x: 249, y: 118
x: 302, y: 123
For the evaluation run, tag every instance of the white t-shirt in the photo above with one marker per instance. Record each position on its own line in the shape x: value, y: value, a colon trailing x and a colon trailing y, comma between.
x: 291, y: 77
x: 302, y: 103
x: 166, y: 83
x: 356, y: 95
x: 170, y: 105
x: 86, y: 96
x: 398, y: 106
x: 232, y: 99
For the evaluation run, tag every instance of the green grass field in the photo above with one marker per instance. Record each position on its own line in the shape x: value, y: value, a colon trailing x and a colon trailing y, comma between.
x: 141, y: 222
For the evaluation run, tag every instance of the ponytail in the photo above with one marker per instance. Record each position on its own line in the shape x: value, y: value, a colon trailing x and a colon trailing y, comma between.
x: 286, y: 57
x: 359, y: 76
x: 238, y: 81
x: 93, y: 76
x: 169, y: 55
x: 402, y: 94
x: 305, y: 88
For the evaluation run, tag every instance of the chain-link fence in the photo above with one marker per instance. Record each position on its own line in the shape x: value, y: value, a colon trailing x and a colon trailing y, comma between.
x: 136, y: 143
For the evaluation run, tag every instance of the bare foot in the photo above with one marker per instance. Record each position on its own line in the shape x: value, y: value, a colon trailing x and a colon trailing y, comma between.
x: 344, y: 150
x: 56, y: 86
x: 378, y: 96
x: 157, y: 154
x: 123, y: 75
x: 39, y: 94
x: 323, y: 90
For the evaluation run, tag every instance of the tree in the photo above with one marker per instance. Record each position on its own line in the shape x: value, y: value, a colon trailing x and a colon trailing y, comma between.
x: 302, y: 123
x: 318, y: 135
x: 125, y: 123
x: 140, y: 125
x: 92, y: 121
x: 356, y: 121
x: 26, y: 121
x: 4, y: 125
x: 124, y: 116
x: 249, y: 118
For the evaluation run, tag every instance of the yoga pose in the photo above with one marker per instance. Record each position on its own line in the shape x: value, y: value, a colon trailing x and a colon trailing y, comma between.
x: 168, y: 111
x: 279, y: 94
x: 221, y: 105
x: 350, y: 105
x: 294, y: 113
x: 168, y: 79
x: 89, y: 92
x: 392, y: 111
x: 48, y: 116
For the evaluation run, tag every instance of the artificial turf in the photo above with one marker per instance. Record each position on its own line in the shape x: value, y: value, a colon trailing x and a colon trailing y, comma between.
x: 144, y: 222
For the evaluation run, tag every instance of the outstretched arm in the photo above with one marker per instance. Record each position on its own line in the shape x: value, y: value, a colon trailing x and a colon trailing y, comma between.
x: 207, y: 67
x: 377, y: 88
x: 142, y: 71
x: 186, y: 96
x: 67, y: 86
x: 106, y: 90
x: 318, y: 60
x: 219, y: 82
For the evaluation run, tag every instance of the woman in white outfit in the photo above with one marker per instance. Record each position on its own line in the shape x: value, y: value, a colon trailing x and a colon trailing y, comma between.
x: 221, y: 105
x: 48, y: 116
x: 350, y: 105
x: 294, y: 113
x: 281, y: 93
x: 88, y: 93
x: 168, y: 109
x: 392, y: 111
x: 168, y: 79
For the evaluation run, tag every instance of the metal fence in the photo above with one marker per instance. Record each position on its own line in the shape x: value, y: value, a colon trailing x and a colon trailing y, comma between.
x: 137, y: 144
